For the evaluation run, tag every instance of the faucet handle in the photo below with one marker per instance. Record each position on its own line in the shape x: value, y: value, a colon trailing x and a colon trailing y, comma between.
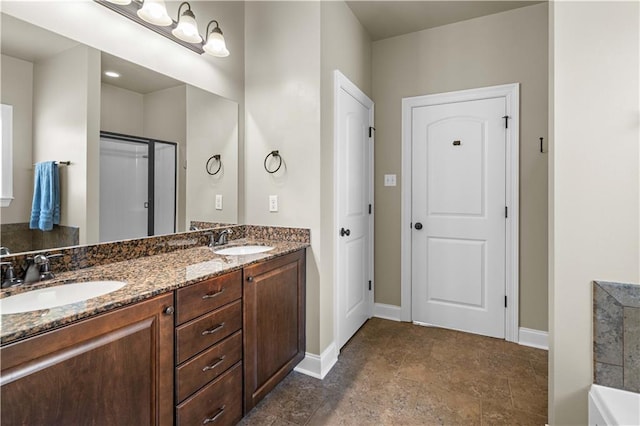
x: 10, y: 278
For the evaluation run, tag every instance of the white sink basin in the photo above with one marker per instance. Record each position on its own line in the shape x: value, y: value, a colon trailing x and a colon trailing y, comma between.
x: 242, y: 250
x: 51, y: 297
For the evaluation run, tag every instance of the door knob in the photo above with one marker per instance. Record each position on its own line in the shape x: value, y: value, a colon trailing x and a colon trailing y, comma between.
x: 418, y: 226
x: 344, y: 232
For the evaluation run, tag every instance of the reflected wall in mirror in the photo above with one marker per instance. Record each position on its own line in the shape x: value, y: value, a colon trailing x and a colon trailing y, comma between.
x: 62, y: 100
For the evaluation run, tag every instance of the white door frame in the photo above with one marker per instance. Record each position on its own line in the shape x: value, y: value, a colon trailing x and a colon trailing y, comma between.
x: 341, y: 82
x: 511, y: 93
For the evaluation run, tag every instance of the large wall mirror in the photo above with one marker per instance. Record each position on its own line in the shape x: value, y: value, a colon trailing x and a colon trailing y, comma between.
x: 139, y: 153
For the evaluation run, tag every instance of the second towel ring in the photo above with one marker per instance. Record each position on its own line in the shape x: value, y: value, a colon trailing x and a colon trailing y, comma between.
x: 274, y: 154
x: 217, y: 158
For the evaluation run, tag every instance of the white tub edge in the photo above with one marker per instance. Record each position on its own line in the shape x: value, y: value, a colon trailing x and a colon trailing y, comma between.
x: 613, y: 407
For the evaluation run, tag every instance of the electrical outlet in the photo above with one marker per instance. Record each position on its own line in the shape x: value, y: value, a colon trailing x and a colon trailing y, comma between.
x: 273, y: 203
x: 389, y: 180
x: 218, y: 201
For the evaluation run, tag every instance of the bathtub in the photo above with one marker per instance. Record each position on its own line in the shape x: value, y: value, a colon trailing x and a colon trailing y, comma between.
x: 609, y: 406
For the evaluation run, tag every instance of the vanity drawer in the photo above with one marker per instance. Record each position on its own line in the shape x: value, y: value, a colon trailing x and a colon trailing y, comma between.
x: 203, y: 297
x: 219, y: 403
x: 197, y: 372
x: 204, y: 331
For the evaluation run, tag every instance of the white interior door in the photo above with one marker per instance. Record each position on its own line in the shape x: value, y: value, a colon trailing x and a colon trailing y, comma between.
x: 458, y: 215
x: 354, y: 195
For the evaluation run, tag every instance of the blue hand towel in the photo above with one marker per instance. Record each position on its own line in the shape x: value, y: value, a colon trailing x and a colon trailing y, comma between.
x: 45, y: 210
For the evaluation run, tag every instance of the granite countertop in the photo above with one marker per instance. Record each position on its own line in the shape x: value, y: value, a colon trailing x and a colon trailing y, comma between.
x: 145, y: 277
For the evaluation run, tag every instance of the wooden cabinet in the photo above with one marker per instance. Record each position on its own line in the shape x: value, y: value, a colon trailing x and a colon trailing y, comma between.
x: 274, y: 323
x: 232, y: 339
x: 112, y: 369
x: 209, y: 351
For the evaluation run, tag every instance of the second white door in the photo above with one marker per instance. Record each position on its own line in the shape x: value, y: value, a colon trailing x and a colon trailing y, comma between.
x: 354, y: 195
x: 458, y: 213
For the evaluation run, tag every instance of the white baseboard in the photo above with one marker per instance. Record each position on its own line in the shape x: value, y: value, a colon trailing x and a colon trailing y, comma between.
x: 534, y: 338
x: 390, y: 312
x: 318, y: 366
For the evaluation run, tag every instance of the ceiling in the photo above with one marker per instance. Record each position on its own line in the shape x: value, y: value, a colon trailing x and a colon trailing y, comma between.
x: 28, y: 42
x: 134, y: 77
x: 384, y: 19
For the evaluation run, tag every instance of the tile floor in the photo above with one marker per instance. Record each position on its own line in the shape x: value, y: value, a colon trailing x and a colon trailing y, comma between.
x: 394, y: 373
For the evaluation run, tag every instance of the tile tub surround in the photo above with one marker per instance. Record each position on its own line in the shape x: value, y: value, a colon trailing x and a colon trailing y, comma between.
x: 616, y: 335
x: 145, y: 276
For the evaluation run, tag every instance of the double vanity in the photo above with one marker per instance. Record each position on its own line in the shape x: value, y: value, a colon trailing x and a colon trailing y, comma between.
x: 196, y: 335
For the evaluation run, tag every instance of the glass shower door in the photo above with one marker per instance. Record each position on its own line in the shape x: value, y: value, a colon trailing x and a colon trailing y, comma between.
x: 124, y: 170
x: 137, y: 187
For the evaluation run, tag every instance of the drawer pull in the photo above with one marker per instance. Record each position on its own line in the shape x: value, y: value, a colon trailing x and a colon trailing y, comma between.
x: 214, y: 365
x: 214, y: 417
x: 212, y: 295
x: 213, y: 330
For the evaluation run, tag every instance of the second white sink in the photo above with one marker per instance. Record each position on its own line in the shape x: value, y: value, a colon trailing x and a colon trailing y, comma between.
x: 50, y: 297
x: 242, y: 250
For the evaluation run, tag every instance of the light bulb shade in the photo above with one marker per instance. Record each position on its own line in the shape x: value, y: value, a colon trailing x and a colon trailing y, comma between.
x: 120, y: 2
x: 215, y: 44
x: 155, y: 12
x: 187, y: 29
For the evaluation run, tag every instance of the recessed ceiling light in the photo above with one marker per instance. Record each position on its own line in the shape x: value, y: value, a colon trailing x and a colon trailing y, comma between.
x: 111, y: 74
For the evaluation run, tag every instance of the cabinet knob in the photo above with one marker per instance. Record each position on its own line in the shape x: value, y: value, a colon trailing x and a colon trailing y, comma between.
x: 169, y: 310
x: 250, y: 278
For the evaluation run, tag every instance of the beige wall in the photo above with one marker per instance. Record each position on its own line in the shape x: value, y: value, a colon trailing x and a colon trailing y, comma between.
x: 282, y: 101
x: 212, y: 128
x: 291, y: 52
x: 594, y: 208
x: 503, y: 48
x: 17, y: 90
x: 345, y: 46
x: 65, y: 128
x: 121, y: 110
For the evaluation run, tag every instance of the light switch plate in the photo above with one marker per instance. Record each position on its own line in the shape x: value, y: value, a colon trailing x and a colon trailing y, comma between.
x: 389, y: 180
x: 218, y: 201
x: 273, y: 203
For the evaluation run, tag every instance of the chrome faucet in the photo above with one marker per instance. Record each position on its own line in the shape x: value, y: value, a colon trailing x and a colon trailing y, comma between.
x: 222, y: 237
x: 39, y: 268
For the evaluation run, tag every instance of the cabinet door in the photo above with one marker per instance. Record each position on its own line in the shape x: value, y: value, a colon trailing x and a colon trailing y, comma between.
x: 113, y: 369
x: 274, y: 323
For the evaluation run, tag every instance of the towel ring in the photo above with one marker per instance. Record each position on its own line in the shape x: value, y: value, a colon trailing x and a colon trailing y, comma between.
x: 274, y: 154
x: 217, y: 158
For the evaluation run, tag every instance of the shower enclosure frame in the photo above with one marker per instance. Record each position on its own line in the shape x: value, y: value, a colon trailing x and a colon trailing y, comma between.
x: 150, y: 142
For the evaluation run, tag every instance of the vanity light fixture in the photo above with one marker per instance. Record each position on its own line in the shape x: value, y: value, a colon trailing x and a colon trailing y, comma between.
x: 152, y: 14
x: 155, y: 12
x: 187, y: 28
x: 215, y: 44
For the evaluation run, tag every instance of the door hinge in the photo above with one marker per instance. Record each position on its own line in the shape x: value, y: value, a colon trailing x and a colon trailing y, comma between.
x: 369, y: 208
x: 369, y: 285
x: 506, y: 121
x: 506, y: 211
x: 371, y: 130
x: 505, y: 301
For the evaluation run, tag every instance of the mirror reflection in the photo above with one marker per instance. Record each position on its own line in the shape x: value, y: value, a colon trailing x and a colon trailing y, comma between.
x: 138, y: 153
